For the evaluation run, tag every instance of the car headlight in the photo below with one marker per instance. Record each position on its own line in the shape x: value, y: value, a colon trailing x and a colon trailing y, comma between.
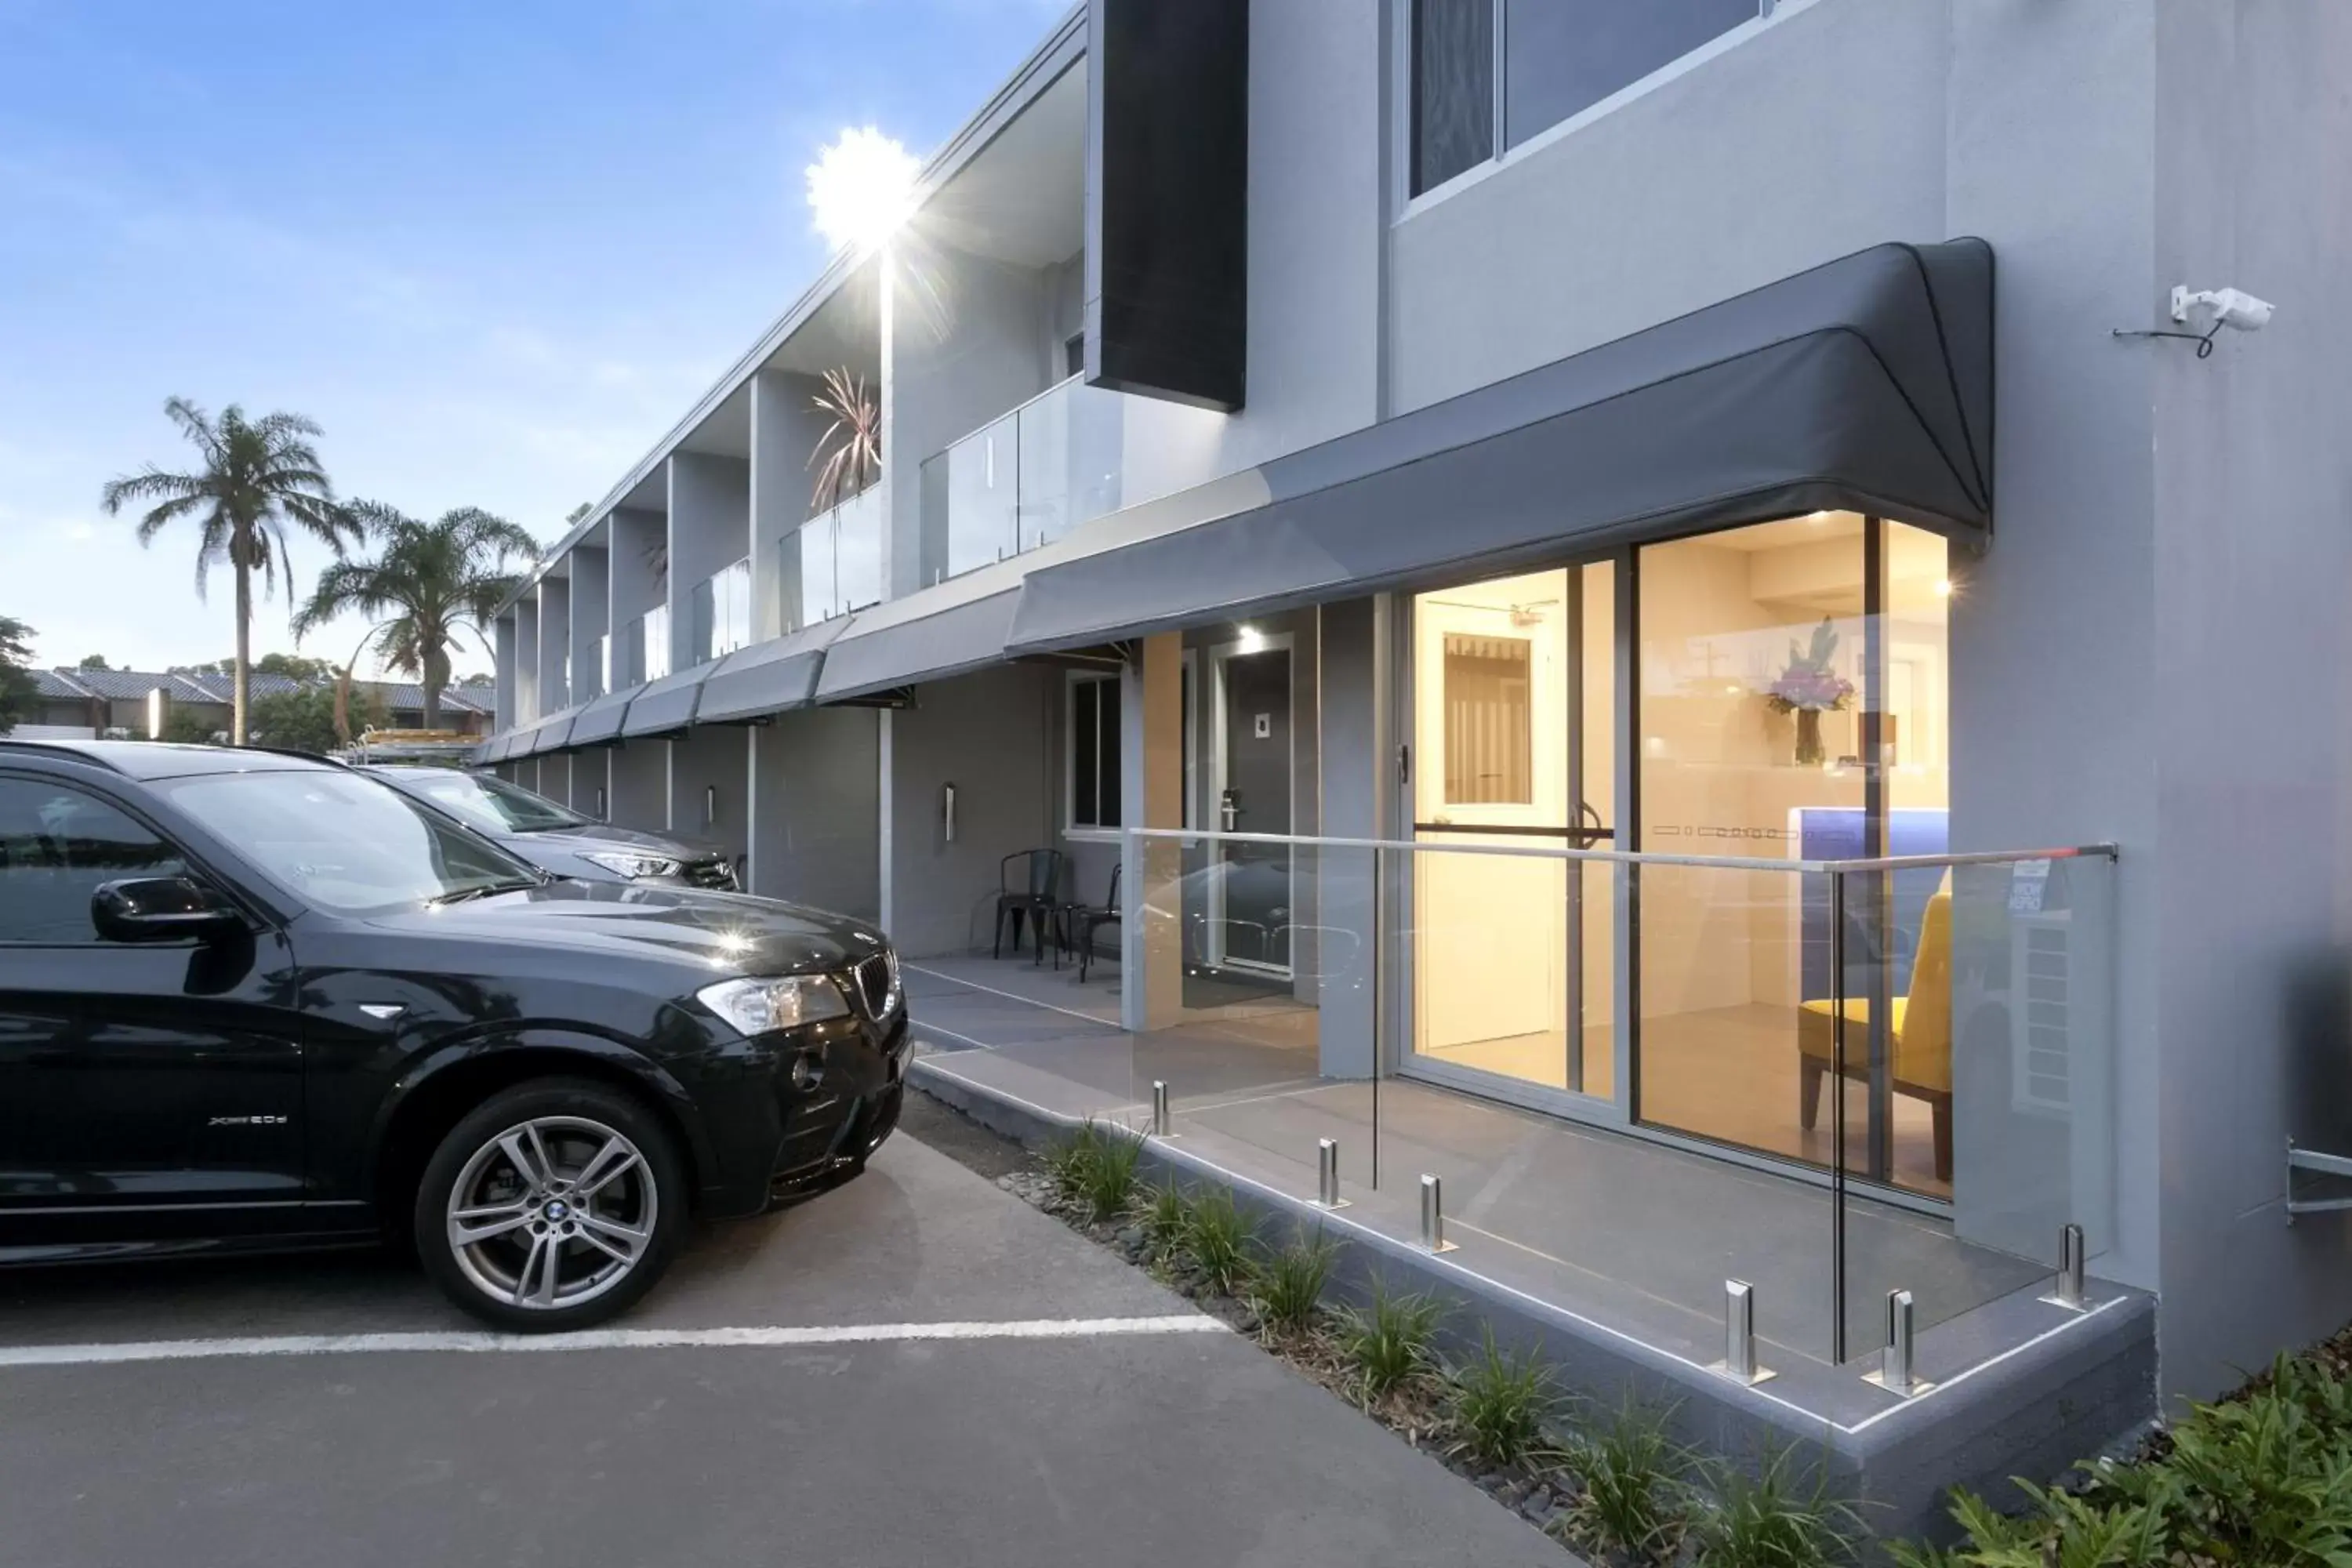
x: 758, y: 1006
x: 632, y: 865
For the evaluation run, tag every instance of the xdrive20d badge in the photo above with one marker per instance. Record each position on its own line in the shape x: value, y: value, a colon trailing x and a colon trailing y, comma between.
x: 253, y: 1001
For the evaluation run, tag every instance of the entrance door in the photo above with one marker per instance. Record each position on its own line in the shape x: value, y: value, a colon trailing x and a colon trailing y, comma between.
x: 1250, y: 922
x: 1513, y: 952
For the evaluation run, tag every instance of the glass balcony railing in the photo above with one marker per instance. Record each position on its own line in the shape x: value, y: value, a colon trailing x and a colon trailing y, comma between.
x: 1906, y: 1062
x: 643, y: 652
x: 720, y: 605
x: 832, y: 565
x: 1054, y: 462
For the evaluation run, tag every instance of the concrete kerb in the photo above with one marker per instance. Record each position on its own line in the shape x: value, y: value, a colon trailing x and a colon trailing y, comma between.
x: 2034, y: 1410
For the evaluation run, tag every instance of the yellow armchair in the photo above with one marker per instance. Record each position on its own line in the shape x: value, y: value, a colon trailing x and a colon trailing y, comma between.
x: 1919, y: 1036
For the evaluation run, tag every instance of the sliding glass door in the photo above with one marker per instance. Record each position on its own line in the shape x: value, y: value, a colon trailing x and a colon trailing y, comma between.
x: 1776, y: 692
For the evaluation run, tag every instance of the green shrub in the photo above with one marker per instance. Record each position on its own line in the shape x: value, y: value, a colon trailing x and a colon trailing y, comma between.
x: 1388, y: 1341
x: 2266, y: 1478
x: 1288, y: 1289
x: 1165, y: 1214
x: 1500, y: 1403
x: 1093, y: 1168
x: 1634, y: 1500
x: 1770, y: 1519
x: 1217, y: 1240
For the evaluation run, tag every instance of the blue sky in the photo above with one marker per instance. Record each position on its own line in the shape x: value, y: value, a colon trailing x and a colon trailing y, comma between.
x: 495, y: 247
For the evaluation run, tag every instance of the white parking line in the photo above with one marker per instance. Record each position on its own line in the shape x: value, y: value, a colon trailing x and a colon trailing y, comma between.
x: 602, y: 1339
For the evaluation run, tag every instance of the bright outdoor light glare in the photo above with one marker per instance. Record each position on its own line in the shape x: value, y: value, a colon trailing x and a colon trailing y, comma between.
x: 861, y: 187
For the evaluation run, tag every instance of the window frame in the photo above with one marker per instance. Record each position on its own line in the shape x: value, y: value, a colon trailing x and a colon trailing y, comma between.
x: 1071, y: 826
x: 192, y: 866
x: 1405, y: 96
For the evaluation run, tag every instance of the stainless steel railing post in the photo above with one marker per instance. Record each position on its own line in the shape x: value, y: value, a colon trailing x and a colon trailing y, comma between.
x: 1739, y: 1330
x: 1159, y: 1108
x: 1327, y: 1173
x: 1433, y: 1217
x: 1894, y: 1359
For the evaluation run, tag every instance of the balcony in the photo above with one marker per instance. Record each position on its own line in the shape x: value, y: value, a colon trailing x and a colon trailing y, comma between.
x: 832, y: 565
x: 720, y: 605
x: 1061, y: 459
x: 644, y: 651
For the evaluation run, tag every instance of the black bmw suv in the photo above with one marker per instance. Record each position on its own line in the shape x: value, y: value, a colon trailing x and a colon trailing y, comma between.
x: 256, y: 1001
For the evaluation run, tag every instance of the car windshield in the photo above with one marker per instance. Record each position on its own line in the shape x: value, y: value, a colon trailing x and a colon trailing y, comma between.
x: 489, y: 803
x: 345, y: 842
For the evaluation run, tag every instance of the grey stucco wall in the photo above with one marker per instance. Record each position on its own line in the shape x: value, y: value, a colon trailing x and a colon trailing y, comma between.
x: 554, y: 644
x: 815, y: 825
x: 710, y: 529
x: 640, y: 786
x: 639, y: 538
x: 592, y: 608
x: 964, y: 344
x: 527, y: 706
x: 785, y: 432
x: 503, y: 664
x: 991, y: 736
x: 710, y: 786
x: 2248, y: 679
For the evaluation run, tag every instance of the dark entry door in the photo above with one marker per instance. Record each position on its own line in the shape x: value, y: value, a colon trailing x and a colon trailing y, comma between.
x: 1255, y: 798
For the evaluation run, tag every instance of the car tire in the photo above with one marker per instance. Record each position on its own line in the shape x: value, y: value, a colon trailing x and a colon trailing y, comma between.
x: 552, y: 1206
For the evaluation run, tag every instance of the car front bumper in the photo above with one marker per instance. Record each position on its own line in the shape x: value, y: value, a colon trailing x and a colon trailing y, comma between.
x: 825, y: 1096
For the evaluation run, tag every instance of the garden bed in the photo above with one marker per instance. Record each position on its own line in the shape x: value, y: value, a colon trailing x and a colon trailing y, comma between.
x: 2263, y: 1478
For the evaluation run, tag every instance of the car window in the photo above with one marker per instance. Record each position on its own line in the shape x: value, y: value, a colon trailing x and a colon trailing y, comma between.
x: 492, y: 805
x: 58, y: 847
x: 342, y: 841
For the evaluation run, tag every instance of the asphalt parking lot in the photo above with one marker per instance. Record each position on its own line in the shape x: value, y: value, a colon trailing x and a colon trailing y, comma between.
x: 933, y: 1372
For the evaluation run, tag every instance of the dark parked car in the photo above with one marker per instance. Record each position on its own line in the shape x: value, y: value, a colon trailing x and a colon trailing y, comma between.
x: 256, y: 1001
x: 555, y: 837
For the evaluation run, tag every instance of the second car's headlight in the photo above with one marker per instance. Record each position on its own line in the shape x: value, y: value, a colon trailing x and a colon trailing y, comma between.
x: 624, y: 863
x: 759, y: 1006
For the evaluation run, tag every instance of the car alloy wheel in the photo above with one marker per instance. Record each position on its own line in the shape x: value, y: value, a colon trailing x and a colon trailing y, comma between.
x: 553, y: 1213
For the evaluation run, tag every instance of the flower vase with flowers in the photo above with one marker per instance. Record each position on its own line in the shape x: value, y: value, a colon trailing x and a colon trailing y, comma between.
x: 1808, y: 688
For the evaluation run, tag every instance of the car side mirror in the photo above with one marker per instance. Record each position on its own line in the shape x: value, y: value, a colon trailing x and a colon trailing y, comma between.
x: 160, y: 909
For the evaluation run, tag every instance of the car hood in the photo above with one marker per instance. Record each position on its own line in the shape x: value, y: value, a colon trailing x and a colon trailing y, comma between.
x: 714, y: 934
x: 605, y: 836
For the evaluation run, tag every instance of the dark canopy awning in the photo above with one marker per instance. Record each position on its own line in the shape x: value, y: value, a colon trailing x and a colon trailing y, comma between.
x: 1863, y: 384
x: 767, y: 678
x: 902, y: 652
x: 552, y: 733
x: 665, y: 705
x: 494, y: 749
x: 599, y: 723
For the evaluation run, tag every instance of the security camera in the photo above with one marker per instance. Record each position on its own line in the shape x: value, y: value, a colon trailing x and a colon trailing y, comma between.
x: 2230, y: 306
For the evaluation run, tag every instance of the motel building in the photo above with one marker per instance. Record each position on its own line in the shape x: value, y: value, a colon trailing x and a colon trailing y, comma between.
x: 1655, y: 617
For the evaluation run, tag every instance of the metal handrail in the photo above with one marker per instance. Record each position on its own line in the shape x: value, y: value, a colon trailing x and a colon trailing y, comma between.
x: 1638, y: 856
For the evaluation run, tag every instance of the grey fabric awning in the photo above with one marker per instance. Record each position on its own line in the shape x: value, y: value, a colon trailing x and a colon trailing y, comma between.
x: 768, y: 676
x: 665, y: 705
x: 552, y: 733
x: 494, y: 751
x: 1863, y: 384
x: 902, y: 650
x: 599, y: 723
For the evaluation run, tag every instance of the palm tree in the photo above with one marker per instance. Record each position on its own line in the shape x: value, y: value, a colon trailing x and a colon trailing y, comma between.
x: 258, y: 476
x: 429, y: 581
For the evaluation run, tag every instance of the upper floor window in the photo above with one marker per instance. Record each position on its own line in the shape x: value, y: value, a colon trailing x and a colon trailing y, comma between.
x: 1489, y: 74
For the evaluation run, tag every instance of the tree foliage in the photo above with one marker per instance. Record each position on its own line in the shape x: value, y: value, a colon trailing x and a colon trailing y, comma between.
x: 16, y: 688
x: 304, y: 720
x: 259, y: 478
x: 428, y: 583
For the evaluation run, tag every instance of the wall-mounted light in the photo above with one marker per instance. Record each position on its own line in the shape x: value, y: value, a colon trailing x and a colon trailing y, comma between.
x: 947, y: 813
x: 1250, y: 640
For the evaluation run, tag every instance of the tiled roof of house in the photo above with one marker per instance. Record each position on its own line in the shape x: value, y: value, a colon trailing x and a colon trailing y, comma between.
x: 131, y: 684
x: 56, y: 685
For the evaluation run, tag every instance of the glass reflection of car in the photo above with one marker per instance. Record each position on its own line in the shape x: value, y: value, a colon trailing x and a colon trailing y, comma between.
x: 1286, y: 940
x: 255, y: 1002
x: 554, y: 837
